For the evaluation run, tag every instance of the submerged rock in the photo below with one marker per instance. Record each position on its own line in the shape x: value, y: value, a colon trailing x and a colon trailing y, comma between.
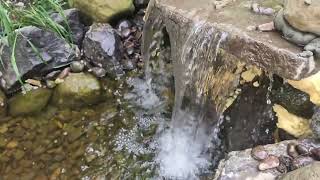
x: 103, y: 10
x: 55, y: 52
x: 310, y: 172
x: 77, y: 90
x: 32, y: 101
x: 291, y: 34
x: 3, y: 104
x: 101, y: 46
x: 303, y: 16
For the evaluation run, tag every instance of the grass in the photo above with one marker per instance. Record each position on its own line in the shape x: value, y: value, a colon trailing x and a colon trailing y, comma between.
x: 36, y: 14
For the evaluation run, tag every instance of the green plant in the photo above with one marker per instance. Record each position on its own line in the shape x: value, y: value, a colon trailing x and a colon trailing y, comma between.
x: 36, y: 14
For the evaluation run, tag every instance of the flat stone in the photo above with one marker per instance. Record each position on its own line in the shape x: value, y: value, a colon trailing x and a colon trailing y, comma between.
x: 267, y: 50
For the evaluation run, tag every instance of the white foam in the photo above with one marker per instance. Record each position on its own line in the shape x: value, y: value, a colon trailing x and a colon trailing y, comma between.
x: 180, y: 155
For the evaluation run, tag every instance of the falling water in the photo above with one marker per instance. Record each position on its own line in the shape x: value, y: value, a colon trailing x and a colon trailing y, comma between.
x: 184, y: 148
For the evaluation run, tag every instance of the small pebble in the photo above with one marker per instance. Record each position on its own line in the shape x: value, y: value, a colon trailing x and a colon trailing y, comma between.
x: 50, y: 84
x: 125, y: 33
x: 266, y: 27
x: 302, y: 150
x: 259, y: 153
x: 291, y: 150
x: 64, y: 73
x: 125, y: 24
x: 77, y: 66
x: 269, y: 163
x: 98, y: 72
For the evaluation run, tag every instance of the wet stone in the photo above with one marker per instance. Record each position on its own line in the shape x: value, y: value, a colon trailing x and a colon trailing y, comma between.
x: 259, y: 153
x: 310, y: 172
x: 269, y: 163
x: 124, y: 24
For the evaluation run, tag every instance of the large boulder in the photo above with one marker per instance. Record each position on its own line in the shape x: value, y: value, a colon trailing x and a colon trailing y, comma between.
x: 310, y: 172
x: 54, y: 51
x: 101, y: 46
x: 103, y: 10
x: 291, y: 34
x: 303, y: 16
x: 73, y: 18
x: 30, y: 102
x: 77, y: 90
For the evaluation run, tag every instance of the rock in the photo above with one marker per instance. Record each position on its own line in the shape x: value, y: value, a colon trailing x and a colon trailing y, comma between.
x: 77, y: 90
x: 314, y: 46
x: 301, y: 161
x: 55, y: 52
x: 3, y: 104
x: 241, y: 165
x: 124, y: 24
x: 266, y: 27
x: 73, y: 18
x: 251, y: 117
x: 302, y: 150
x: 32, y: 101
x: 310, y: 172
x: 141, y: 3
x: 98, y: 72
x: 103, y: 10
x: 101, y: 46
x: 259, y: 153
x: 269, y: 163
x: 292, y: 99
x: 291, y: 34
x: 316, y: 153
x: 294, y: 125
x: 77, y: 66
x: 315, y: 123
x: 302, y: 16
x: 291, y: 150
x: 310, y: 85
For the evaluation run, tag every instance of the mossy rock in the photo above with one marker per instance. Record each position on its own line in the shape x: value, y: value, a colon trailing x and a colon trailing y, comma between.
x: 77, y: 90
x: 3, y: 104
x: 31, y: 102
x: 103, y: 10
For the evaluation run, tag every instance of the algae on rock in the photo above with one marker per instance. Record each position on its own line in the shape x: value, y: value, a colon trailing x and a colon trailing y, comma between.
x: 32, y: 101
x: 77, y: 90
x: 103, y: 10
